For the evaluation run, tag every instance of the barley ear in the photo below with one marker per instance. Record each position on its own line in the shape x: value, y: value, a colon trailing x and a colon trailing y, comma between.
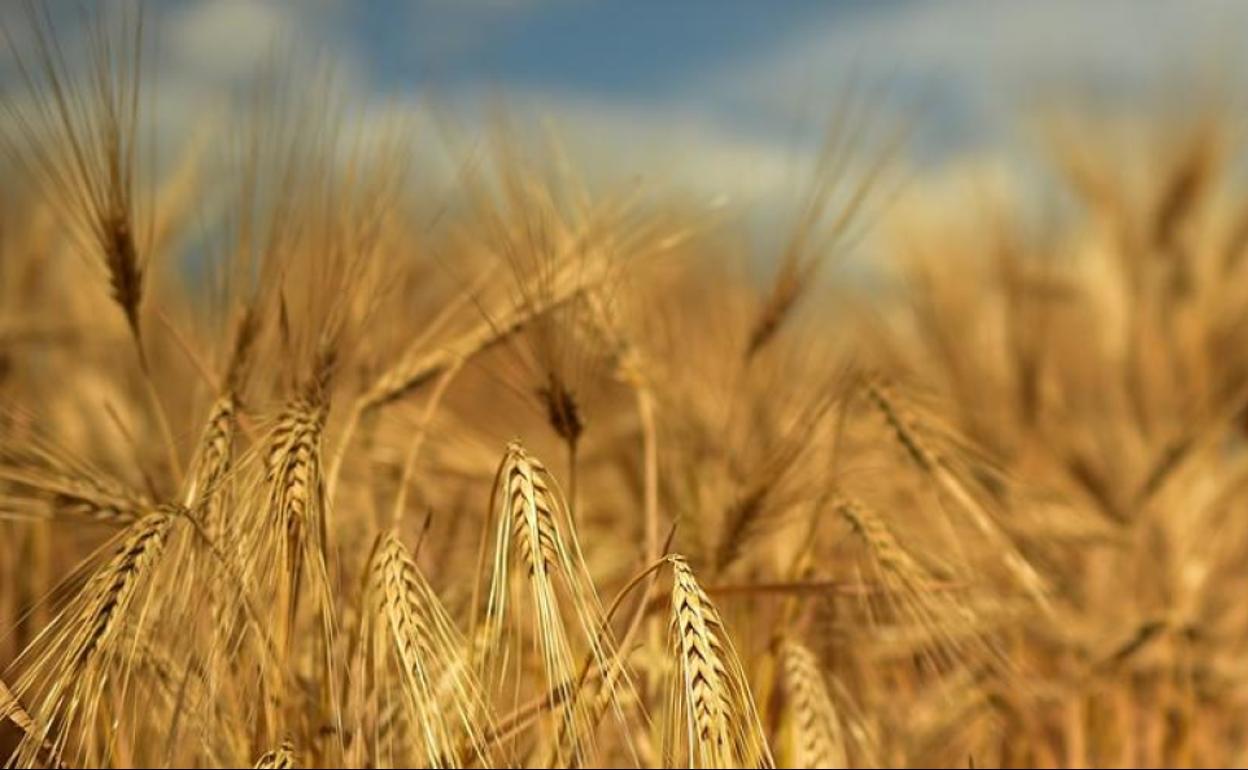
x: 710, y: 703
x: 816, y: 737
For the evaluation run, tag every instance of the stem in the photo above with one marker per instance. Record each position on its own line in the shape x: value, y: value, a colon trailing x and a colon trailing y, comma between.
x: 197, y: 361
x: 650, y: 453
x: 814, y: 586
x: 348, y: 430
x: 650, y: 503
x: 524, y: 715
x: 409, y: 463
x: 573, y: 501
x: 162, y: 417
x: 482, y: 546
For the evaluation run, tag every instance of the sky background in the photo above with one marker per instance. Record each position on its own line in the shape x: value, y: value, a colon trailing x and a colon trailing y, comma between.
x: 724, y: 97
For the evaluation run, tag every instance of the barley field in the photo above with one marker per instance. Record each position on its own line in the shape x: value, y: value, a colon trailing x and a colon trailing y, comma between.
x: 308, y: 462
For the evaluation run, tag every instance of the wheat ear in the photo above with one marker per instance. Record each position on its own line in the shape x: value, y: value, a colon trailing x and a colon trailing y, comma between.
x: 533, y: 520
x: 816, y: 734
x: 445, y: 701
x: 711, y: 704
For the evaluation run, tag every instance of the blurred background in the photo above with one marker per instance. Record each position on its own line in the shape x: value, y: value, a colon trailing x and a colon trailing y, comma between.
x: 723, y: 99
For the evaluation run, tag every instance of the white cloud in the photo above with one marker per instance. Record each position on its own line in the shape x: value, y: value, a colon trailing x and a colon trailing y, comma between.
x: 1125, y: 41
x: 665, y: 146
x: 971, y: 67
x: 227, y: 39
x: 609, y: 144
x: 727, y: 135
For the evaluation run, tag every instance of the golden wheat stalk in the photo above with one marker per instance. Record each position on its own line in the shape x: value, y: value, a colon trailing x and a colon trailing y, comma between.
x: 418, y: 365
x: 817, y: 739
x: 936, y: 467
x: 113, y: 590
x: 900, y: 568
x: 68, y: 678
x: 710, y: 701
x: 446, y: 708
x: 71, y: 499
x: 534, y: 521
x: 49, y: 481
x: 953, y: 629
x: 282, y: 546
x: 295, y: 503
x: 839, y: 198
x: 213, y: 458
x: 215, y: 452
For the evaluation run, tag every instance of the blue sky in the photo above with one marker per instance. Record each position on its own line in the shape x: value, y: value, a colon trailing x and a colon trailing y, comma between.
x: 724, y: 94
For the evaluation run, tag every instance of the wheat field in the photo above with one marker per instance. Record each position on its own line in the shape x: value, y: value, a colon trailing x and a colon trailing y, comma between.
x: 305, y: 465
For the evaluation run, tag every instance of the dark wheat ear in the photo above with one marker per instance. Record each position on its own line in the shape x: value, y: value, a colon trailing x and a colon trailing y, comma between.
x: 840, y: 198
x: 77, y: 139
